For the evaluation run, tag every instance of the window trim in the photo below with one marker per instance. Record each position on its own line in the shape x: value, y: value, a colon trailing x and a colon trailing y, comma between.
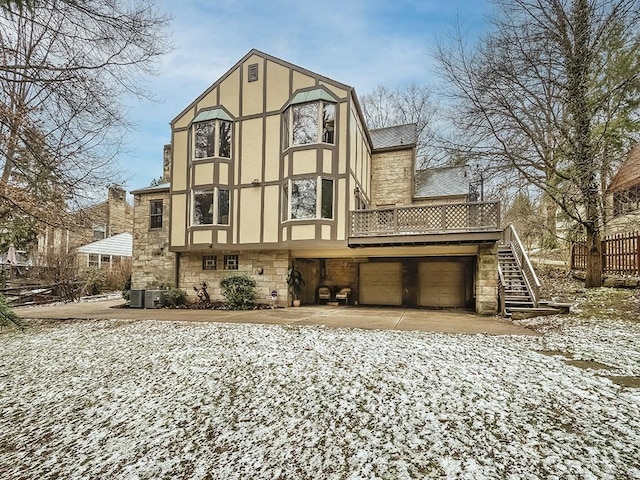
x: 156, y: 215
x: 215, y: 206
x: 217, y: 120
x: 288, y: 119
x: 287, y: 190
x: 228, y: 264
x: 214, y: 262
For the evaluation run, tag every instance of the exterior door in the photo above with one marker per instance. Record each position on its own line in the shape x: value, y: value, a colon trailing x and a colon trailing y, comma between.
x: 381, y: 283
x: 442, y: 284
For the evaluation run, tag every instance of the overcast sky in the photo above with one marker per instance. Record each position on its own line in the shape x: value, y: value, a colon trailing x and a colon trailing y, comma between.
x: 363, y: 43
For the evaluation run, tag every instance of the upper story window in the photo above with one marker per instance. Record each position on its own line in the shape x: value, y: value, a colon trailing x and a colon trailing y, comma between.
x: 99, y: 231
x: 212, y: 134
x: 310, y: 118
x: 155, y: 216
x: 308, y: 198
x: 211, y: 207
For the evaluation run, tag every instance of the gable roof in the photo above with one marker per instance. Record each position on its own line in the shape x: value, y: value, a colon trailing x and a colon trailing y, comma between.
x: 628, y: 174
x: 266, y: 56
x: 442, y: 182
x: 393, y: 137
x: 120, y: 245
x: 163, y: 187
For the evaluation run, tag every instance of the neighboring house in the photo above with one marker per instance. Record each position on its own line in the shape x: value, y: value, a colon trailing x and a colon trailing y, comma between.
x: 623, y: 196
x: 105, y: 219
x: 274, y: 165
x: 106, y: 253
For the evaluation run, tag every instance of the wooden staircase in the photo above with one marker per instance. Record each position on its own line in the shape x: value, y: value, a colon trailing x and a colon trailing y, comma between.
x: 518, y: 285
x: 516, y: 291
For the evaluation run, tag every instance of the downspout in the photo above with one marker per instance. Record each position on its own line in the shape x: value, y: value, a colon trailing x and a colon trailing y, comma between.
x: 177, y: 270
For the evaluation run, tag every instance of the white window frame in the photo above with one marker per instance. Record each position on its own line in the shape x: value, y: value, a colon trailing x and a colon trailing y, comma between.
x: 216, y: 139
x: 319, y: 186
x: 288, y: 118
x: 214, y: 206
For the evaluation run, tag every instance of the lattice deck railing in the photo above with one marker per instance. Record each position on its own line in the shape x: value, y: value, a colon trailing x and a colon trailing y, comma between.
x: 444, y: 218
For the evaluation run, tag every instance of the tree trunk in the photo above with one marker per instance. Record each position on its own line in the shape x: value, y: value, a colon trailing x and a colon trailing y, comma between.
x: 594, y: 259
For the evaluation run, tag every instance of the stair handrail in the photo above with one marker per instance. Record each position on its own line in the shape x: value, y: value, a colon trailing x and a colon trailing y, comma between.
x: 531, y: 279
x: 501, y: 292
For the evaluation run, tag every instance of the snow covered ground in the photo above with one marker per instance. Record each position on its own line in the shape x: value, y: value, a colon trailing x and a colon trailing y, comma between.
x: 146, y: 400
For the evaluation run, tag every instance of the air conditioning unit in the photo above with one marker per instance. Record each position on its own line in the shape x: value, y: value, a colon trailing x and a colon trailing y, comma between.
x: 136, y: 300
x: 154, y: 298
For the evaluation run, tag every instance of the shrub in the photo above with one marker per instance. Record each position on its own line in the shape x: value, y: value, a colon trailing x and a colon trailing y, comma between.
x: 175, y: 297
x: 95, y: 279
x: 126, y: 289
x: 8, y: 316
x: 117, y: 275
x: 239, y: 291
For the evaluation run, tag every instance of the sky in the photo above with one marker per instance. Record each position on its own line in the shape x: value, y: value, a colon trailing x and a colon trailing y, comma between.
x: 362, y: 43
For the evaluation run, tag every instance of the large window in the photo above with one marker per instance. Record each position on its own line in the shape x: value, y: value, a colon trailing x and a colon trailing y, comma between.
x: 308, y: 198
x: 211, y: 207
x: 156, y: 214
x: 309, y: 123
x: 626, y: 201
x: 212, y: 138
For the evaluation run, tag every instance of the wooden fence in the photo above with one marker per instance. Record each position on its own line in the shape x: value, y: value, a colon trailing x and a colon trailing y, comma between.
x: 620, y: 254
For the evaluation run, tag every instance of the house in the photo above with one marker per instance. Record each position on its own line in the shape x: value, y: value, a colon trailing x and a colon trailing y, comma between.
x: 274, y: 165
x: 623, y: 196
x: 91, y: 224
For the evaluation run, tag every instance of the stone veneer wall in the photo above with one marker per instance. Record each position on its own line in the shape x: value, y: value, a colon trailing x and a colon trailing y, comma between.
x: 487, y: 280
x: 153, y: 265
x: 342, y: 273
x: 392, y: 178
x: 274, y: 277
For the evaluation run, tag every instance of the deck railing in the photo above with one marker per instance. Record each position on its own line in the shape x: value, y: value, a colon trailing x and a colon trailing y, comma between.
x: 425, y: 219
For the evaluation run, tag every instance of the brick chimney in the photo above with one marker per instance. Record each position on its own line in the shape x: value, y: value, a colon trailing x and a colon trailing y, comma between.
x: 117, y: 211
x: 166, y: 163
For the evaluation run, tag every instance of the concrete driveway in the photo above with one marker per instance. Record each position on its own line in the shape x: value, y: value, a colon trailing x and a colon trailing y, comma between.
x: 448, y: 321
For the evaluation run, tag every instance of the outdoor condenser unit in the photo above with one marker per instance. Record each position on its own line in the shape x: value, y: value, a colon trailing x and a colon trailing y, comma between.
x: 153, y: 298
x: 136, y: 300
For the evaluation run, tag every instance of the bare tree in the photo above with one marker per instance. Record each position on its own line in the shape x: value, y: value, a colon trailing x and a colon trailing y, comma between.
x: 65, y: 69
x: 413, y: 104
x: 535, y: 96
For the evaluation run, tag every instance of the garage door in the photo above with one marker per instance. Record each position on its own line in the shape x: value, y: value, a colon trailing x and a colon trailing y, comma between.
x: 381, y: 283
x: 442, y: 284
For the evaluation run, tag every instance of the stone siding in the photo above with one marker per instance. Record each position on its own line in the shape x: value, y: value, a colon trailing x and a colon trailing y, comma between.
x: 153, y: 265
x: 392, y: 178
x: 274, y: 265
x: 487, y: 280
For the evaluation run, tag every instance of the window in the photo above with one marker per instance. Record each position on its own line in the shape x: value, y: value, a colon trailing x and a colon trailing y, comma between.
x: 94, y: 260
x: 308, y: 198
x: 205, y: 135
x: 231, y: 262
x: 206, y: 203
x: 156, y: 214
x: 209, y: 262
x: 202, y: 208
x: 99, y: 231
x: 309, y: 123
x: 626, y: 201
x: 223, y: 207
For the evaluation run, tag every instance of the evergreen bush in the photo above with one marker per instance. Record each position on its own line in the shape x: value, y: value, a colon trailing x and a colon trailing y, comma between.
x: 174, y: 297
x: 239, y: 291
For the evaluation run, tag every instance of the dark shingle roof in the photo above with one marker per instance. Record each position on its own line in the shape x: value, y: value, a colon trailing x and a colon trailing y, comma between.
x: 442, y: 182
x: 390, y: 137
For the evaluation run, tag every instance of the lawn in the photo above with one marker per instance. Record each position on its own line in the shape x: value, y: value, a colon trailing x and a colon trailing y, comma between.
x: 138, y: 400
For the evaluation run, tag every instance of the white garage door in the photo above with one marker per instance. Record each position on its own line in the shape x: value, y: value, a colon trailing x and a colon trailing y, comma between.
x: 442, y: 284
x: 381, y: 283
